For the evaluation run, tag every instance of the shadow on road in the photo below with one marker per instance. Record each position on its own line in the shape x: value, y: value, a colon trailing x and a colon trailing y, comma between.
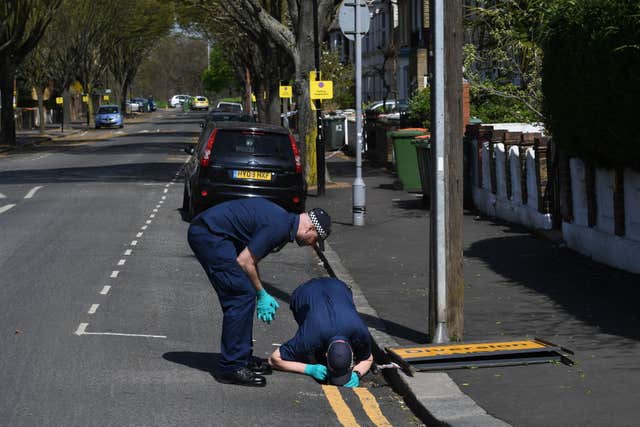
x: 206, y: 362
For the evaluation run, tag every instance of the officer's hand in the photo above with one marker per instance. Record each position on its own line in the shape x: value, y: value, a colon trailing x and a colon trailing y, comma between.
x: 266, y: 316
x: 318, y: 372
x: 266, y: 306
x: 354, y: 381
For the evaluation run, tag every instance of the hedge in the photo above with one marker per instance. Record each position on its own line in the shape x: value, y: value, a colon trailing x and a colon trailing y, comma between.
x: 591, y: 80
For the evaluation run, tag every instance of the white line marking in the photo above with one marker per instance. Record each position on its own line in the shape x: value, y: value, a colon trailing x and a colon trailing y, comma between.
x: 164, y: 197
x: 157, y: 206
x: 114, y: 274
x: 127, y: 252
x: 161, y: 201
x: 134, y: 242
x: 167, y: 185
x: 148, y: 221
x: 166, y: 190
x: 139, y: 234
x: 122, y: 261
x: 31, y: 192
x: 6, y: 208
x: 105, y: 290
x: 144, y: 227
x: 152, y: 216
x: 82, y: 330
x: 93, y: 308
x: 155, y: 210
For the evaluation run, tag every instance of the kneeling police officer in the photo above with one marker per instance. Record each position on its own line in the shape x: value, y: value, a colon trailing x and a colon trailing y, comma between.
x: 332, y: 342
x: 229, y: 240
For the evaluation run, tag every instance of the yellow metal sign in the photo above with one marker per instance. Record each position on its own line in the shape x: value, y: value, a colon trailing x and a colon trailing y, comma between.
x: 313, y: 74
x: 85, y: 98
x: 322, y: 89
x: 59, y: 100
x: 105, y: 98
x: 409, y: 353
x: 286, y: 91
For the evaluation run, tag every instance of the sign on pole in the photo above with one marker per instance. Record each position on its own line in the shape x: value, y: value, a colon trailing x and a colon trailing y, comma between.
x: 346, y: 18
x: 85, y: 98
x: 286, y: 91
x: 59, y: 100
x: 322, y: 89
x: 105, y: 98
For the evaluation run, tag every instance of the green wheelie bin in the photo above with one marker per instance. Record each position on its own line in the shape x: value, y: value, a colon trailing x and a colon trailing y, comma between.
x: 406, y: 158
x: 423, y: 151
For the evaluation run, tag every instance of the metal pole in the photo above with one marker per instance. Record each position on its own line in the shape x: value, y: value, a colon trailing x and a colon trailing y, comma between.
x: 359, y: 207
x: 441, y: 334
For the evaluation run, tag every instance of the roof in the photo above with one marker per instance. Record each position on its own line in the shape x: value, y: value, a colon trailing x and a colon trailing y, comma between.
x: 259, y: 127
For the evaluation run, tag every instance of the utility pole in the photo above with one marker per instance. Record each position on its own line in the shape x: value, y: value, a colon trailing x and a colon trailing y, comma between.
x: 445, y: 262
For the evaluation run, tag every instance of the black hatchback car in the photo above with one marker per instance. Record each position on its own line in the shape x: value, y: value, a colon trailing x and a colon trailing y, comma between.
x: 237, y: 159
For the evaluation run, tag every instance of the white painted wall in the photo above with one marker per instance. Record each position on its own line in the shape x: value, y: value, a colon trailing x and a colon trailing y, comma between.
x: 605, y: 220
x: 578, y: 192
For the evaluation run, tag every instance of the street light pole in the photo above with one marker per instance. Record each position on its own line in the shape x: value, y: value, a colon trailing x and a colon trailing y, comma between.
x: 320, y: 164
x: 359, y: 206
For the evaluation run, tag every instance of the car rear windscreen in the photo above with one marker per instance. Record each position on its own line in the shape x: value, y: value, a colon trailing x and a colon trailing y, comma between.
x: 108, y: 110
x: 233, y: 143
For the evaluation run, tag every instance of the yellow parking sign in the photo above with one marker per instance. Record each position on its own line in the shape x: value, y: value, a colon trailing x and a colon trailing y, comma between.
x: 322, y: 89
x: 286, y: 91
x: 59, y: 100
x: 105, y: 98
x: 85, y: 98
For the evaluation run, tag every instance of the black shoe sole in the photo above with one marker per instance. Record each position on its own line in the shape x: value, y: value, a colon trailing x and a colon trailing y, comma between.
x: 223, y: 381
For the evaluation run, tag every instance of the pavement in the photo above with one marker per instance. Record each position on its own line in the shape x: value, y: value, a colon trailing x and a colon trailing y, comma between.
x: 518, y: 285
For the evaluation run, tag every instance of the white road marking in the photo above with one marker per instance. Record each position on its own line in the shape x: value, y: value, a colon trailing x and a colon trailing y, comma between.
x: 2, y: 196
x: 161, y: 201
x: 105, y: 290
x: 157, y: 206
x: 144, y: 227
x: 134, y: 242
x: 32, y: 192
x: 114, y: 274
x: 166, y: 190
x: 164, y: 197
x: 127, y: 252
x: 167, y: 185
x: 139, y: 234
x: 155, y: 210
x: 93, y: 308
x: 122, y: 261
x: 82, y: 330
x: 5, y: 208
x: 152, y: 216
x: 148, y: 221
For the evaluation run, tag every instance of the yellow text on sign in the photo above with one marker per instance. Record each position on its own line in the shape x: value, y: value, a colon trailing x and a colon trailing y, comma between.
x: 322, y: 89
x: 286, y: 91
x: 59, y: 100
x: 445, y: 350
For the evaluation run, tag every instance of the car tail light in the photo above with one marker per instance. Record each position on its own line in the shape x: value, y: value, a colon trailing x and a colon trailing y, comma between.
x: 206, y: 155
x: 204, y: 193
x: 296, y: 154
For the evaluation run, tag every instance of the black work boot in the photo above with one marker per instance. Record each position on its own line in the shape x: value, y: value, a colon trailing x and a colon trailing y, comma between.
x: 242, y: 376
x: 259, y: 366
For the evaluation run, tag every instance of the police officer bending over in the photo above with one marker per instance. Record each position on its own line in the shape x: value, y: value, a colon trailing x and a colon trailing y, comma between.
x: 332, y: 342
x: 229, y: 240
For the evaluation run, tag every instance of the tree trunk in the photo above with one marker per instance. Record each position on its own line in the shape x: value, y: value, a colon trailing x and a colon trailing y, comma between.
x: 8, y: 128
x: 41, y: 113
x: 66, y: 107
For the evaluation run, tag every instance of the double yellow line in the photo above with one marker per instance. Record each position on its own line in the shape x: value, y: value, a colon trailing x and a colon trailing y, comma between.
x: 344, y: 414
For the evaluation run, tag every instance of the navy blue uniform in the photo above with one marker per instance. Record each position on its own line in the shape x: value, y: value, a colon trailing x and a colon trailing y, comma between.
x: 217, y: 236
x: 324, y: 311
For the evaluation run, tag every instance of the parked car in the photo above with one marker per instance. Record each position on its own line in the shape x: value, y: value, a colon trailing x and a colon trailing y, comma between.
x: 132, y: 106
x: 234, y: 160
x: 218, y: 115
x: 390, y: 106
x: 229, y: 106
x: 199, y: 103
x: 108, y: 116
x: 178, y: 100
x: 144, y: 104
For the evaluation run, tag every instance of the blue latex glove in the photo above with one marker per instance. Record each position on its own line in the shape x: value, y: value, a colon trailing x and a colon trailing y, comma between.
x: 354, y: 381
x: 266, y: 306
x: 318, y: 372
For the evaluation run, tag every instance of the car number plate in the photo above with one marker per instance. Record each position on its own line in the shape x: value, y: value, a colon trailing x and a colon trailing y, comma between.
x: 244, y: 174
